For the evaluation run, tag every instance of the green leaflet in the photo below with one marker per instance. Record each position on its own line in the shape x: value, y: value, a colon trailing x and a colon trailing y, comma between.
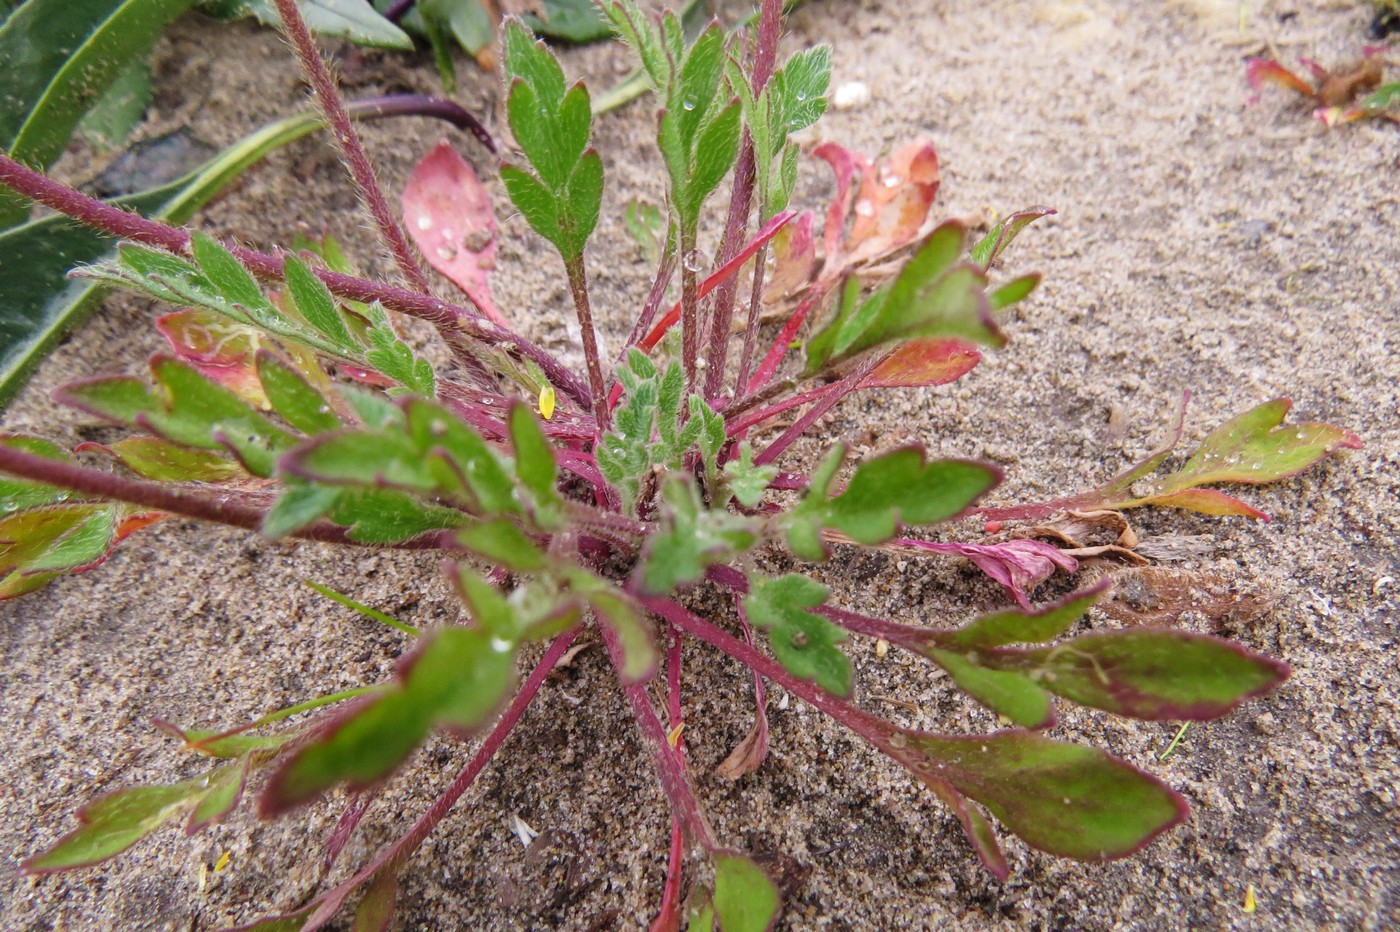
x: 889, y: 491
x: 692, y: 537
x: 652, y: 409
x: 355, y: 20
x: 803, y: 642
x: 551, y: 123
x: 934, y: 295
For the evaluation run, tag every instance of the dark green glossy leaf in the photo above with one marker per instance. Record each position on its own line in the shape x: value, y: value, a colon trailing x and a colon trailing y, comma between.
x: 297, y: 507
x: 355, y: 20
x: 60, y: 56
x: 118, y: 109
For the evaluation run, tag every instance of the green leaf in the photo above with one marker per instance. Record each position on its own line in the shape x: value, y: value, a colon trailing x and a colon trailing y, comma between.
x: 991, y: 246
x: 699, y: 80
x: 639, y: 655
x: 156, y: 458
x: 803, y: 642
x: 931, y: 297
x: 802, y: 84
x: 571, y: 20
x: 746, y: 899
x: 355, y: 20
x: 394, y: 358
x: 1006, y: 693
x: 386, y: 516
x: 60, y: 56
x: 1062, y: 798
x: 290, y: 396
x: 893, y: 490
x: 504, y: 544
x: 745, y: 481
x: 691, y: 538
x: 115, y: 822
x: 584, y: 199
x: 1020, y: 627
x: 455, y: 680
x: 534, y: 201
x: 297, y: 507
x: 1147, y: 674
x: 715, y: 152
x: 316, y: 305
x: 39, y: 302
x: 118, y: 109
x: 535, y: 465
x: 1253, y: 447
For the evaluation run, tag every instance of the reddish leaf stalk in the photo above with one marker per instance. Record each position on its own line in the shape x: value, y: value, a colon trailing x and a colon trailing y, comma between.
x: 664, y: 273
x: 690, y: 311
x: 784, y: 341
x: 760, y: 267
x: 181, y: 501
x: 740, y: 206
x: 669, y: 916
x: 836, y: 392
x: 736, y: 427
x: 675, y: 782
x: 314, y: 68
x: 455, y: 323
x: 578, y: 287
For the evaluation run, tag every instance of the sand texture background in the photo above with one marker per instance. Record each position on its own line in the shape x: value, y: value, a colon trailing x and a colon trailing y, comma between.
x: 1239, y: 253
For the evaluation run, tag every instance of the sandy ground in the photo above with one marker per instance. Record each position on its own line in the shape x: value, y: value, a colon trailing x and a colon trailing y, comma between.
x: 1241, y: 253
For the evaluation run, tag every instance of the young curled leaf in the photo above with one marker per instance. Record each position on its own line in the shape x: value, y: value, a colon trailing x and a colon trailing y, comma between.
x: 692, y: 537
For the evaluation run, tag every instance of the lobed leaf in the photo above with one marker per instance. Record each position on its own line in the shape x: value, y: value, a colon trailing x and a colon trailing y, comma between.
x: 804, y: 643
x: 887, y: 492
x: 690, y: 539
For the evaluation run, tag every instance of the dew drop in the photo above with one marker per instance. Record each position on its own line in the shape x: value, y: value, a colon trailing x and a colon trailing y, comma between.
x: 500, y: 645
x: 899, y: 740
x: 864, y: 208
x: 694, y: 260
x: 688, y: 105
x: 893, y: 181
x: 425, y: 222
x: 446, y: 252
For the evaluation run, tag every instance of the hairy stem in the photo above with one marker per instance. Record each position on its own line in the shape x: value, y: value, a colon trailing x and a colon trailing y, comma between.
x: 453, y: 322
x: 204, y: 504
x: 760, y: 266
x: 740, y: 204
x: 825, y: 403
x: 314, y: 68
x: 690, y: 308
x: 578, y: 287
x: 675, y: 782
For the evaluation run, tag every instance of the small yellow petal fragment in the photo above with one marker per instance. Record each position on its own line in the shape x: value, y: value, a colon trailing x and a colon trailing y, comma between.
x: 1250, y: 904
x: 547, y: 402
x: 674, y: 737
x: 223, y: 860
x: 882, y: 647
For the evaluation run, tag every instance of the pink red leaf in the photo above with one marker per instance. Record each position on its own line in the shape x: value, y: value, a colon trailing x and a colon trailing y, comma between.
x: 794, y: 259
x: 891, y: 206
x: 920, y: 363
x: 448, y: 213
x: 221, y: 350
x: 1261, y: 71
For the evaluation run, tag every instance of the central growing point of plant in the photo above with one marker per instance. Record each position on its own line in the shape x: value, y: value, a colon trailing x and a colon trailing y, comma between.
x: 290, y: 405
